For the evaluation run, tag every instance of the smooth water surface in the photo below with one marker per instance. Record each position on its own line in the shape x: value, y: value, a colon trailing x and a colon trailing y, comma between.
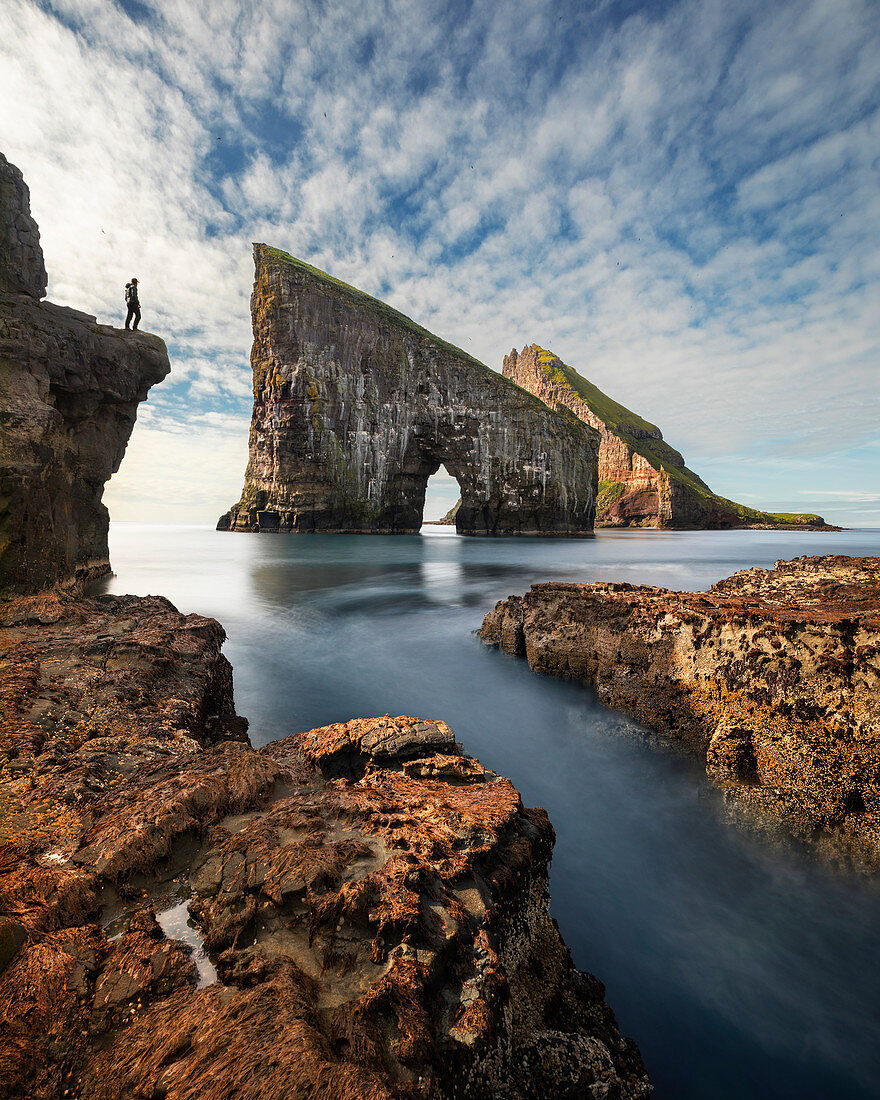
x: 742, y: 969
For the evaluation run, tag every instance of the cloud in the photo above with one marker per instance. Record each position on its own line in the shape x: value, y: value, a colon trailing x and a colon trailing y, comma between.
x: 180, y: 471
x: 679, y: 200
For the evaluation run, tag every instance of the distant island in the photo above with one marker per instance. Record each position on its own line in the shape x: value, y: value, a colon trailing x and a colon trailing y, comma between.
x: 643, y: 482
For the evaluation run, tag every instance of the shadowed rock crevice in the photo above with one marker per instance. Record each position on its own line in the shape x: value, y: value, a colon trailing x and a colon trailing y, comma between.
x: 356, y: 406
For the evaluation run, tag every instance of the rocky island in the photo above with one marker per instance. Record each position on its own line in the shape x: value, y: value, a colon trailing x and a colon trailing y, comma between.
x: 359, y: 911
x: 772, y: 677
x: 355, y: 406
x: 643, y: 482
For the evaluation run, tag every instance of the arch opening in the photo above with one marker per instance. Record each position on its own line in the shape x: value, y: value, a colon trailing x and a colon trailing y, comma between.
x: 442, y: 493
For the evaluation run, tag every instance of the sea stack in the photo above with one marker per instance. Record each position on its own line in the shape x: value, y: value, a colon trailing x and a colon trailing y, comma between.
x: 643, y: 482
x: 69, y: 389
x: 355, y: 406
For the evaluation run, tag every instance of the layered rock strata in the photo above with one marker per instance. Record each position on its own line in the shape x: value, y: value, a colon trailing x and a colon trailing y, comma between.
x: 642, y: 480
x: 69, y: 391
x: 370, y: 903
x: 355, y: 406
x: 773, y: 676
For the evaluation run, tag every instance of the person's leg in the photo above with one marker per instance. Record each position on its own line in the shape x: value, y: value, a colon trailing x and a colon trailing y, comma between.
x: 137, y: 317
x: 129, y: 316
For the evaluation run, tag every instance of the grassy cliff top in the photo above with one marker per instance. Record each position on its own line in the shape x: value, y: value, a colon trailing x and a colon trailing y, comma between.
x: 620, y: 421
x: 360, y: 300
x: 619, y: 418
x: 365, y: 301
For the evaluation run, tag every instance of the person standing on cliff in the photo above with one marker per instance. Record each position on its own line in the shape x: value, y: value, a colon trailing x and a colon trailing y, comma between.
x: 134, y: 306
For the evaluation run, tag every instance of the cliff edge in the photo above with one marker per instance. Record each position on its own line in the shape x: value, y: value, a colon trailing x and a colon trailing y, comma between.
x: 643, y: 482
x: 69, y: 392
x: 359, y: 912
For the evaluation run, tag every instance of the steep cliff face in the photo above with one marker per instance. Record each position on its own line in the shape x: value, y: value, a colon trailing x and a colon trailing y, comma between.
x: 69, y: 392
x: 22, y: 270
x: 355, y: 406
x: 642, y: 480
x: 773, y: 676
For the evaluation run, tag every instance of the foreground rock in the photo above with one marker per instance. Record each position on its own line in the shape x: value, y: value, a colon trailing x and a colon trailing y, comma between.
x: 371, y: 903
x: 772, y: 675
x: 355, y: 406
x: 643, y: 482
x: 69, y: 391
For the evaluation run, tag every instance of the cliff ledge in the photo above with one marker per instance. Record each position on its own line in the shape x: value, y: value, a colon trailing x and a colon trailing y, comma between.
x: 69, y: 392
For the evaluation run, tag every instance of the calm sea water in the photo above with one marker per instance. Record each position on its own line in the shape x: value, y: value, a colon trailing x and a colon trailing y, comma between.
x: 742, y: 969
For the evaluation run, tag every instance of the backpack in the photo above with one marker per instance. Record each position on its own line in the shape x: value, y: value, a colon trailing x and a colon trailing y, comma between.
x: 129, y: 293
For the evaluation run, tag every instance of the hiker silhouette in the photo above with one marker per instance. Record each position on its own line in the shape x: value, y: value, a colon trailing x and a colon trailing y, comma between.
x: 134, y: 306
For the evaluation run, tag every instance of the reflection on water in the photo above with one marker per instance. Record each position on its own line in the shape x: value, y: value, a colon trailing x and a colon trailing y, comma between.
x: 177, y: 925
x: 743, y: 970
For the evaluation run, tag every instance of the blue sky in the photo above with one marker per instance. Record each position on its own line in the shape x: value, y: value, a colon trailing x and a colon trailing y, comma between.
x: 679, y: 198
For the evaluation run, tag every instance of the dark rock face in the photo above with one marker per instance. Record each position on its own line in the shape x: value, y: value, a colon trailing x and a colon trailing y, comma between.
x: 372, y: 903
x: 355, y: 407
x: 22, y: 270
x: 69, y: 392
x: 772, y: 676
x: 643, y: 482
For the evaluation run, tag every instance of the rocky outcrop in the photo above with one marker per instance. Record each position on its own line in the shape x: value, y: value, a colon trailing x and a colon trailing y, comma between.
x: 643, y: 482
x: 356, y: 912
x: 449, y: 519
x: 773, y: 676
x: 368, y: 905
x: 355, y: 406
x: 69, y: 392
x: 22, y: 270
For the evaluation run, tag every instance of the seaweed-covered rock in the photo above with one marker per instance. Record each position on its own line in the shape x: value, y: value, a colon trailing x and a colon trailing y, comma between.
x: 371, y: 903
x: 773, y: 676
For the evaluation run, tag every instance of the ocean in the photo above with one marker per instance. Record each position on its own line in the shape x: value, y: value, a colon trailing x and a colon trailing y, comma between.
x: 742, y: 967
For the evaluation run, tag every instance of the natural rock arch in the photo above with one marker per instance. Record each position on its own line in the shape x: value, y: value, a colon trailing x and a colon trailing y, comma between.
x: 355, y: 406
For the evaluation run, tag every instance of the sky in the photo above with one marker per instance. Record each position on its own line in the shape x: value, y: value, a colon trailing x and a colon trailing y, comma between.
x: 680, y: 199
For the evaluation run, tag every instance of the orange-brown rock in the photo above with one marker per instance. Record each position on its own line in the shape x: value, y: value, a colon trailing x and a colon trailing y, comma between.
x: 368, y: 904
x: 772, y: 675
x: 643, y: 482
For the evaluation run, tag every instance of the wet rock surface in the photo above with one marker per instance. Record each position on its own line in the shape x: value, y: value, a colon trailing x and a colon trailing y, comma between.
x: 643, y: 482
x: 69, y: 391
x: 355, y: 406
x: 772, y: 675
x: 370, y: 903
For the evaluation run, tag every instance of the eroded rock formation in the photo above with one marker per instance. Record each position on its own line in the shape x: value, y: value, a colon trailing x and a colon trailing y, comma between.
x: 772, y: 675
x: 355, y: 406
x: 69, y: 392
x: 371, y: 902
x: 642, y: 480
x: 357, y: 912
